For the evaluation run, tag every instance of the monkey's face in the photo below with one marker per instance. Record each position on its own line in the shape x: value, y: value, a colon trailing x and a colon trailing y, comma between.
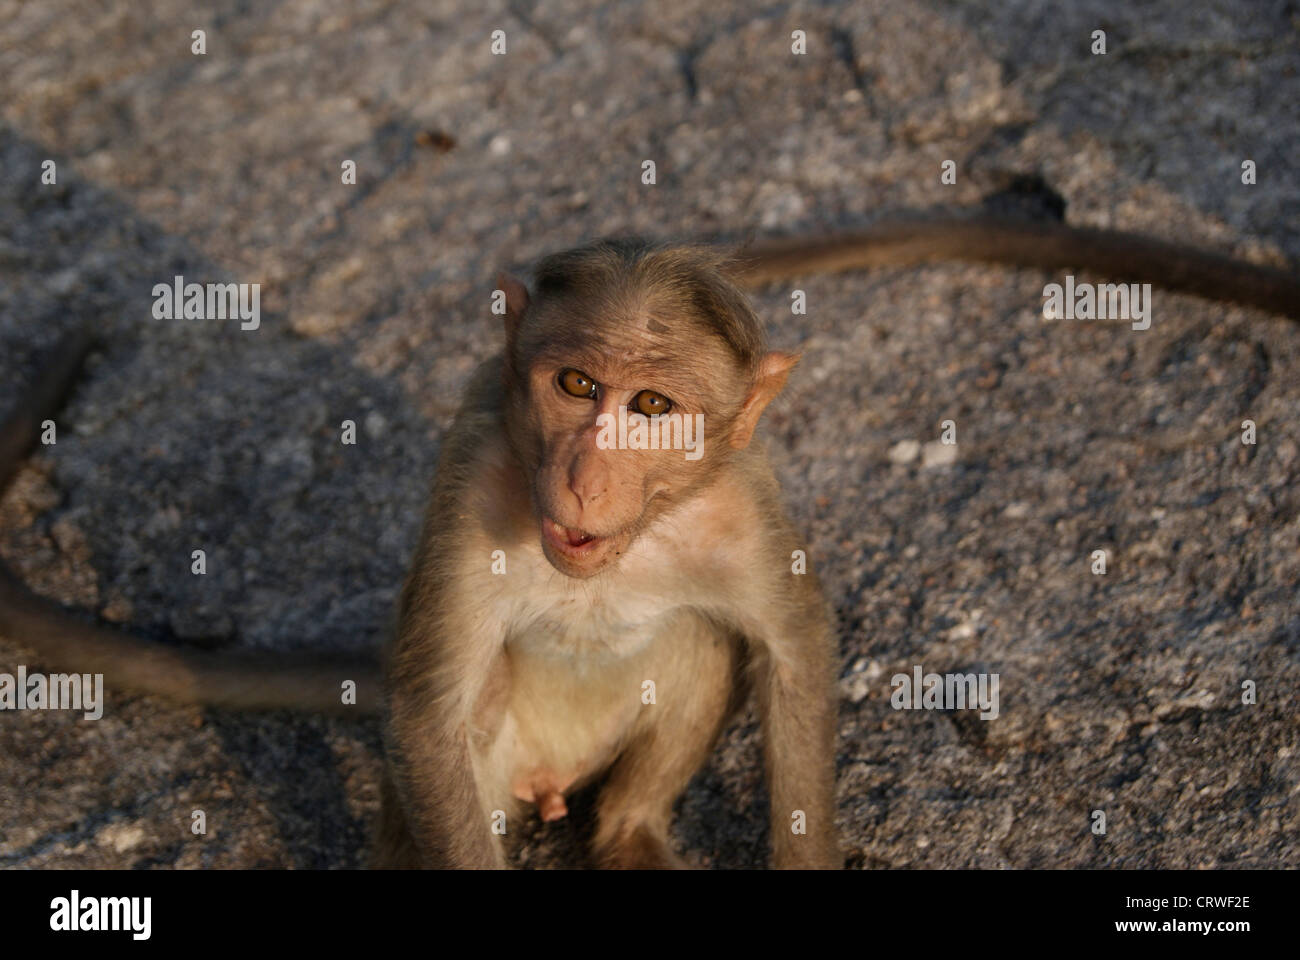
x: 615, y: 439
x: 631, y: 381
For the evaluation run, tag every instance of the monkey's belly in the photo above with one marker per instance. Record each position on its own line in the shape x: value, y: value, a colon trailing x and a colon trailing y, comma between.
x: 564, y: 724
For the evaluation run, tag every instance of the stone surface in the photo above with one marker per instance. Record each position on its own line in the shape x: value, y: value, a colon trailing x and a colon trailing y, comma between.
x: 1118, y: 692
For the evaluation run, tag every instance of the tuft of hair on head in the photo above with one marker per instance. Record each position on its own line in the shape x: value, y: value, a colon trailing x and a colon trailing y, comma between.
x: 671, y: 279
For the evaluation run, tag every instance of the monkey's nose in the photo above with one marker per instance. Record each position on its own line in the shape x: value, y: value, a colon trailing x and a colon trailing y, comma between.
x: 588, y: 485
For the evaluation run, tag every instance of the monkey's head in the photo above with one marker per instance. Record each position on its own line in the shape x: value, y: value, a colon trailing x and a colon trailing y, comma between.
x: 633, y: 373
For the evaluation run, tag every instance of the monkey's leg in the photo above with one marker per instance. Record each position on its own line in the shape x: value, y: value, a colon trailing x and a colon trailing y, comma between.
x: 695, y: 672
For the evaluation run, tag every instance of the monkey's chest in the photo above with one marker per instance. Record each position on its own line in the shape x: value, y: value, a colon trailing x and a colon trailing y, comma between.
x: 585, y: 631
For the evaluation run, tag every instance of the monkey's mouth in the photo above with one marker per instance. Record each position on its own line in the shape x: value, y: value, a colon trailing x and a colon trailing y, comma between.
x: 567, y: 540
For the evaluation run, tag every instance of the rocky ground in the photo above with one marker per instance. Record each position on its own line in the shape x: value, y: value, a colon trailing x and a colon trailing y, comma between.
x: 1119, y: 692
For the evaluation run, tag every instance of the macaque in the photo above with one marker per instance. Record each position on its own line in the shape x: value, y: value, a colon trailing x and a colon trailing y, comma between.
x: 623, y: 567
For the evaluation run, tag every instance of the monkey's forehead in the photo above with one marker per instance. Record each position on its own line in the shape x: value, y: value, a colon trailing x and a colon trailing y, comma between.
x: 630, y: 331
x: 673, y: 314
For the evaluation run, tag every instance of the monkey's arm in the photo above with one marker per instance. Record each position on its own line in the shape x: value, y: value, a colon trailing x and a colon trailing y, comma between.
x: 445, y: 650
x: 787, y: 624
x: 431, y: 702
x: 1009, y: 241
x: 794, y: 683
x: 71, y: 640
x: 441, y: 653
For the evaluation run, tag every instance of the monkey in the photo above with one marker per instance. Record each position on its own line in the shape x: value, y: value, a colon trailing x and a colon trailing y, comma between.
x: 626, y: 568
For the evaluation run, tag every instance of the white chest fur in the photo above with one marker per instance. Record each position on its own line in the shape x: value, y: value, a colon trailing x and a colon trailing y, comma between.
x: 588, y: 621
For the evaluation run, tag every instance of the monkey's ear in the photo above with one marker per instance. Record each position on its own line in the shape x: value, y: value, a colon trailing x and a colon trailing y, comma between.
x: 516, y: 303
x: 772, y: 373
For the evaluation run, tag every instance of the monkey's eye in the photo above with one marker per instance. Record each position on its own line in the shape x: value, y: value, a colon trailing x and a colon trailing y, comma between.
x: 650, y: 403
x: 577, y: 384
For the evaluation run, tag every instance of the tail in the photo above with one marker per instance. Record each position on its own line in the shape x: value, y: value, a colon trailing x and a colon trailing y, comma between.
x: 1047, y: 245
x: 70, y: 640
